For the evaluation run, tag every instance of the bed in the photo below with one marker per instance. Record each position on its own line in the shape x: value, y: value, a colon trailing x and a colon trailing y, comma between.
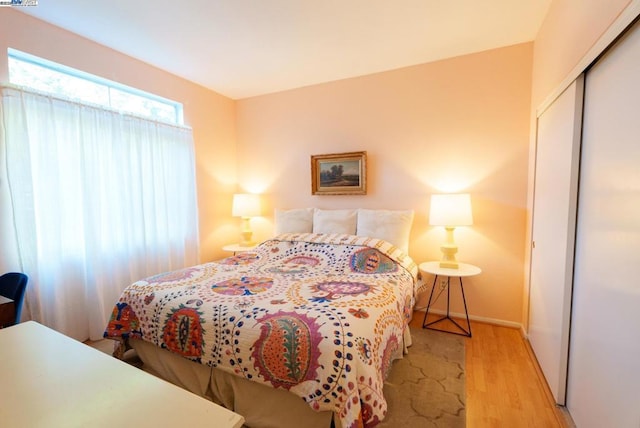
x: 303, y: 327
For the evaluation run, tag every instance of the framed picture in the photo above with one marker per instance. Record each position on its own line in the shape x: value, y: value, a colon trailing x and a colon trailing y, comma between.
x: 339, y: 174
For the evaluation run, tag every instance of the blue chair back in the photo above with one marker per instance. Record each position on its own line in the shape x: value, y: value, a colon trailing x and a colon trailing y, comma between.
x: 13, y: 286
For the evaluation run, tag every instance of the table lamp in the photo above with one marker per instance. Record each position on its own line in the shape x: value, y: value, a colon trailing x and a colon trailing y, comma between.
x: 450, y: 210
x: 246, y: 205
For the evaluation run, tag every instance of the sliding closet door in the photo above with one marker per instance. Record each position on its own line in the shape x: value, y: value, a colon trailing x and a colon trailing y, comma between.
x: 604, y: 362
x: 554, y: 222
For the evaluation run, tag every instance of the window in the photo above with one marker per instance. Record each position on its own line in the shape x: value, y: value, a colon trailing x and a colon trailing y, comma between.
x: 46, y: 76
x: 97, y: 199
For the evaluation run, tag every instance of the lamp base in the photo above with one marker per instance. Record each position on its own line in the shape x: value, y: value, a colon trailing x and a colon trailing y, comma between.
x: 246, y: 234
x: 449, y: 264
x: 449, y: 251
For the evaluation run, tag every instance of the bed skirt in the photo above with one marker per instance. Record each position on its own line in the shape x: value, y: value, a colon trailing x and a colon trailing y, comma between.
x: 260, y: 405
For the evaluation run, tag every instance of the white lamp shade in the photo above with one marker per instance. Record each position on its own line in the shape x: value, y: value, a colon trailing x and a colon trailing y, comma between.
x: 452, y: 209
x: 245, y: 205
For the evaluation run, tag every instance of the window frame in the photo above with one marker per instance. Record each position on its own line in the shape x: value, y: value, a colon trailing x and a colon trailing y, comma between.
x: 99, y: 81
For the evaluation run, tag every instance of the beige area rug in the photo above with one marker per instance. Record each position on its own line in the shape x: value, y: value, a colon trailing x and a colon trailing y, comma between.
x: 426, y: 387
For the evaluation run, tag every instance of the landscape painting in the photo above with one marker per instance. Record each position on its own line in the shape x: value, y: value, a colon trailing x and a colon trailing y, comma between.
x: 339, y: 174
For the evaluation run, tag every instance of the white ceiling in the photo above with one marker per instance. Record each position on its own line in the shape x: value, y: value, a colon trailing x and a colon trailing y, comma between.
x: 243, y: 48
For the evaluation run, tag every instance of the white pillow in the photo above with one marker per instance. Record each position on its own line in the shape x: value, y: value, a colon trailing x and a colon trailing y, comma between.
x: 392, y: 226
x: 335, y: 221
x: 298, y: 220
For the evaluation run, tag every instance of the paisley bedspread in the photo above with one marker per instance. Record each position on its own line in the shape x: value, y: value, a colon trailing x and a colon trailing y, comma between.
x: 321, y: 316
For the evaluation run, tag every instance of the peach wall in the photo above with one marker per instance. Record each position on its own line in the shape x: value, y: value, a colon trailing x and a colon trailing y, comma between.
x: 210, y: 115
x: 460, y: 124
x: 450, y: 125
x: 570, y: 29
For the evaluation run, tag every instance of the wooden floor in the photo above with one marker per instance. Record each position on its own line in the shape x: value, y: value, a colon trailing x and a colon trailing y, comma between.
x: 502, y: 382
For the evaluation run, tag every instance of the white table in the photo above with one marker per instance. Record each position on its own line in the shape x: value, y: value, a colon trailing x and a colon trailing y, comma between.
x: 463, y: 270
x: 237, y: 248
x: 50, y: 380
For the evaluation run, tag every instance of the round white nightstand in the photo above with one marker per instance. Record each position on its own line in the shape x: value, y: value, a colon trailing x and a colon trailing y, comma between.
x: 237, y: 248
x: 463, y: 270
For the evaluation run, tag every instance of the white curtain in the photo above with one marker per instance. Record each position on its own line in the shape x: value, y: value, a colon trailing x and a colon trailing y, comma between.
x: 98, y: 200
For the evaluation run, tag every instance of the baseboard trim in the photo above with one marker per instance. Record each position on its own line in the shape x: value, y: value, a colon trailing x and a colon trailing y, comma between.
x: 486, y: 320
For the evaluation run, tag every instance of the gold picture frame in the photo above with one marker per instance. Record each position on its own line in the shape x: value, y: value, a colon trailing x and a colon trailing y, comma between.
x: 339, y: 174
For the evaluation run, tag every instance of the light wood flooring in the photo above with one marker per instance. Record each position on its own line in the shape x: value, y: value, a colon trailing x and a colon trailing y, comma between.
x: 503, y: 386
